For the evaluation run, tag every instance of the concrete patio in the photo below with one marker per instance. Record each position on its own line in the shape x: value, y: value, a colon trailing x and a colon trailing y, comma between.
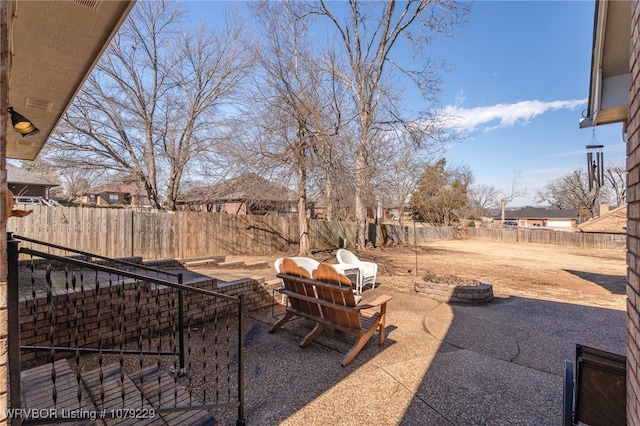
x: 494, y: 364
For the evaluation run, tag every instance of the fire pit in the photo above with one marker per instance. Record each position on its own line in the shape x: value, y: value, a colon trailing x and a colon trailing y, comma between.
x: 453, y: 289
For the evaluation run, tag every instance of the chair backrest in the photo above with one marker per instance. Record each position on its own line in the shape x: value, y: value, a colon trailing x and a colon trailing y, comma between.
x: 327, y: 274
x: 345, y: 256
x: 291, y: 268
x: 304, y: 262
x: 277, y: 264
x: 341, y: 295
x: 369, y: 269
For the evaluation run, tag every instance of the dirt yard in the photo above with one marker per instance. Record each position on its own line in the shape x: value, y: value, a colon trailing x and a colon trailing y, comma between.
x: 575, y: 275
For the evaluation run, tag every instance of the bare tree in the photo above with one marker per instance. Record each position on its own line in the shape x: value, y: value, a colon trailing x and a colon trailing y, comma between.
x: 616, y: 177
x: 572, y: 192
x: 283, y: 98
x: 482, y: 198
x: 333, y: 177
x: 75, y: 183
x: 514, y: 192
x: 368, y: 33
x: 39, y: 167
x: 295, y: 105
x: 398, y: 179
x: 151, y: 107
x: 74, y: 187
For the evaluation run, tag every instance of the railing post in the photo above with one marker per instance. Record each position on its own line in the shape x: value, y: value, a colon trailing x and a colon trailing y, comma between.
x: 181, y: 326
x: 240, y: 420
x: 13, y: 326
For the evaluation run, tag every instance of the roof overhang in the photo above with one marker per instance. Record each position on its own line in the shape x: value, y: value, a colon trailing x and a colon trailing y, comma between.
x: 53, y: 46
x: 610, y: 80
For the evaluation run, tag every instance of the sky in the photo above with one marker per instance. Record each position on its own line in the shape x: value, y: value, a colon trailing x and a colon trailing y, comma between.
x: 519, y: 86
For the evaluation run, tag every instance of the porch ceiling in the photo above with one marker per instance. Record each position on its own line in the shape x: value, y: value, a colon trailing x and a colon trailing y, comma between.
x: 610, y: 80
x: 53, y: 45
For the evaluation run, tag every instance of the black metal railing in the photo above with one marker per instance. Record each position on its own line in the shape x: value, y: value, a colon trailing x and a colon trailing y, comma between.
x: 94, y: 337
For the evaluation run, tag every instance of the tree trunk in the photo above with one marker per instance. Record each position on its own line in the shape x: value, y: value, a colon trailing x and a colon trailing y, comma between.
x: 152, y: 193
x: 302, y: 202
x: 328, y: 193
x: 360, y: 213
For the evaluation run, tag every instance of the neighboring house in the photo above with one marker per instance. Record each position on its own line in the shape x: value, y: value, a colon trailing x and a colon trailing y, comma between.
x: 540, y: 217
x: 28, y: 187
x: 246, y: 194
x: 609, y: 221
x: 116, y: 195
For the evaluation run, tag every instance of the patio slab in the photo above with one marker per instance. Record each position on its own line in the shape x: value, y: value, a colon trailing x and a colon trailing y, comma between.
x: 493, y: 364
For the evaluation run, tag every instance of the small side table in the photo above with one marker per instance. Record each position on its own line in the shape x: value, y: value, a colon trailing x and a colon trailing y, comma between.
x: 352, y: 272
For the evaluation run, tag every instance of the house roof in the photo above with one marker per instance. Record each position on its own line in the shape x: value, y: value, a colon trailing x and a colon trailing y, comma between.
x: 117, y: 187
x: 21, y: 176
x: 246, y: 187
x: 614, y: 221
x: 540, y: 213
x: 610, y: 80
x: 52, y: 48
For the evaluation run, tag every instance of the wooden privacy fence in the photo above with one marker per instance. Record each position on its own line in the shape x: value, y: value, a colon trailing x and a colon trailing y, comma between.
x: 186, y: 235
x: 156, y: 234
x: 197, y: 234
x: 326, y: 235
x: 546, y: 236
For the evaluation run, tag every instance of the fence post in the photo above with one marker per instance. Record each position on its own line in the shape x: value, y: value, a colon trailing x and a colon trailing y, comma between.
x: 133, y: 235
x: 181, y: 326
x: 13, y: 329
x: 240, y: 420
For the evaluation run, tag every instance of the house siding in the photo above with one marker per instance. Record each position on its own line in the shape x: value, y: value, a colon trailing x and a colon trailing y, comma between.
x: 633, y: 220
x: 234, y: 208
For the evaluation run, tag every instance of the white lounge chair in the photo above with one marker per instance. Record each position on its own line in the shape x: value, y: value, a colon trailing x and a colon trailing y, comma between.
x: 368, y: 270
x: 304, y: 262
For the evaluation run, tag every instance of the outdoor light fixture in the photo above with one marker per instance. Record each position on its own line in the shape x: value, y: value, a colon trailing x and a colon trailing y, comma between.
x: 22, y: 125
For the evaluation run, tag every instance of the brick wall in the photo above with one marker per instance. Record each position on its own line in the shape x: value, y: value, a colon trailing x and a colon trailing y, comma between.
x: 4, y: 90
x: 124, y: 311
x: 633, y: 226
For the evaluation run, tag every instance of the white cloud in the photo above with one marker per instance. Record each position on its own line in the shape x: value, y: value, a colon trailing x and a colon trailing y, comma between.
x: 474, y: 119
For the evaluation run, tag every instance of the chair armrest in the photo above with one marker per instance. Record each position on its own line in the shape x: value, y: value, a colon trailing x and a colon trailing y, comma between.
x: 378, y: 301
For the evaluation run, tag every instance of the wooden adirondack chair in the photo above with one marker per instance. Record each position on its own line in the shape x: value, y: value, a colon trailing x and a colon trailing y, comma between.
x: 328, y: 300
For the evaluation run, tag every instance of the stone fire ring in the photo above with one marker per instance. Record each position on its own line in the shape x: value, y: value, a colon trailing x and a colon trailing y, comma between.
x: 470, y: 292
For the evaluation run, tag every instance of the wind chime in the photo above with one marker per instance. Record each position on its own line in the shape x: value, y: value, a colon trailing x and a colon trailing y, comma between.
x: 595, y: 163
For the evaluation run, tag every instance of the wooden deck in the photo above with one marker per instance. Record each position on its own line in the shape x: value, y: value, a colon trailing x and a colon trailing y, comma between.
x: 117, y: 391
